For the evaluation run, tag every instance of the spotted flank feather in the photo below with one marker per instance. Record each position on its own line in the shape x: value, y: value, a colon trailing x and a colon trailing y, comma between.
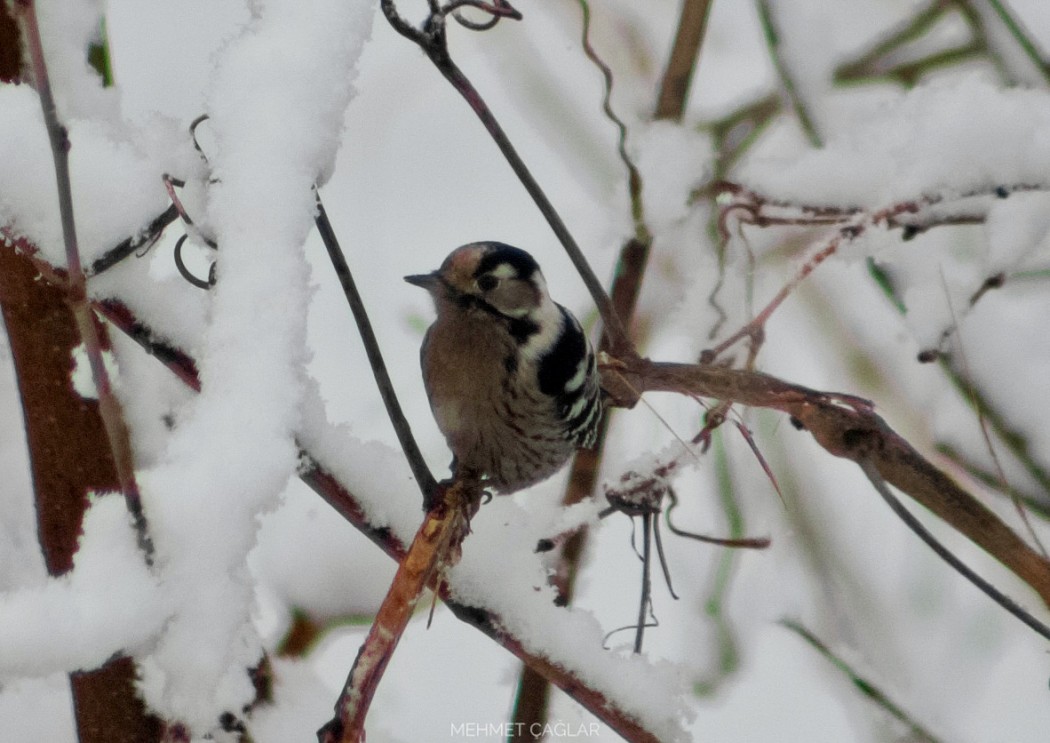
x: 568, y: 373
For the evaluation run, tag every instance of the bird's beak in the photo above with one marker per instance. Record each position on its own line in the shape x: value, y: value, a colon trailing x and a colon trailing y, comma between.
x: 428, y: 281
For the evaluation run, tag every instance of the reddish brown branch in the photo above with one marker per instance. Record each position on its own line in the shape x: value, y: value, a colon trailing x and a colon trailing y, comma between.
x: 435, y: 547
x: 64, y: 437
x: 911, y: 216
x: 841, y: 424
x: 69, y: 458
x: 76, y: 288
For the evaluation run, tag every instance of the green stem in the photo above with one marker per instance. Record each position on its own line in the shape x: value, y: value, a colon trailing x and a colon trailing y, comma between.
x: 1022, y: 37
x: 809, y: 128
x: 918, y: 733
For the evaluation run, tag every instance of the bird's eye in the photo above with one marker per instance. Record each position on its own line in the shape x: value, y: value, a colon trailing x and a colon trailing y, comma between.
x: 488, y: 282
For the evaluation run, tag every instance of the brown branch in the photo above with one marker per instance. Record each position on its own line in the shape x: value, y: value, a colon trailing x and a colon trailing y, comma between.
x: 674, y: 87
x: 76, y: 288
x: 68, y: 458
x: 575, y: 687
x: 531, y: 702
x: 434, y: 549
x: 489, y: 623
x: 992, y: 480
x: 847, y: 427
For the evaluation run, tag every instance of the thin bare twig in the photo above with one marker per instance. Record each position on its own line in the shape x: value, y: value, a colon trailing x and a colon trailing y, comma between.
x: 911, y: 216
x: 149, y: 235
x: 634, y: 178
x: 945, y: 554
x: 646, y: 598
x: 1022, y: 512
x: 975, y: 18
x: 431, y: 38
x: 76, y: 286
x: 420, y: 471
x: 642, y: 494
x: 1016, y: 442
x: 735, y: 132
x: 888, y: 59
x: 882, y: 60
x: 755, y: 328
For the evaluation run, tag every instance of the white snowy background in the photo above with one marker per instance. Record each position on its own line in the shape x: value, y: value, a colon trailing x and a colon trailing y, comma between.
x: 326, y: 92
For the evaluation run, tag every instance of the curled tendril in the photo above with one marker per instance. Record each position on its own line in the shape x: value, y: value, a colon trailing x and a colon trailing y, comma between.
x: 472, y: 25
x: 171, y: 183
x: 431, y: 35
x: 757, y: 543
x: 649, y: 624
x: 497, y: 12
x: 185, y: 271
x: 193, y: 134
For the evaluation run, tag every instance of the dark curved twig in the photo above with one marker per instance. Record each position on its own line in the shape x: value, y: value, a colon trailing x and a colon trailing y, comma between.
x: 498, y: 11
x: 431, y: 38
x: 193, y: 134
x: 945, y: 554
x: 184, y: 270
x: 643, y: 496
x: 642, y: 235
x: 474, y: 25
x: 420, y: 471
x: 758, y: 543
x: 127, y: 247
